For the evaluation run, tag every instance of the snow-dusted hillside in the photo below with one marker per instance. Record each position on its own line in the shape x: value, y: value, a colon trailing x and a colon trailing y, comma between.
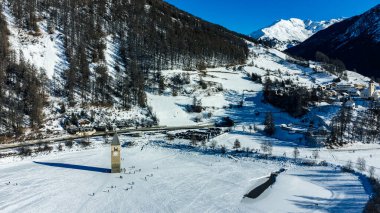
x: 288, y: 33
x: 367, y: 24
x: 355, y: 41
x: 46, y: 52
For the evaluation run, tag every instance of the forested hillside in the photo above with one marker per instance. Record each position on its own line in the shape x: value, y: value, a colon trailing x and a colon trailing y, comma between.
x: 153, y: 32
x: 355, y: 41
x: 147, y: 36
x: 22, y: 92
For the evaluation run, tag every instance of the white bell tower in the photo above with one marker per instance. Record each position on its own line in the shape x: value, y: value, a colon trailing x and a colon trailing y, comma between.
x: 371, y: 88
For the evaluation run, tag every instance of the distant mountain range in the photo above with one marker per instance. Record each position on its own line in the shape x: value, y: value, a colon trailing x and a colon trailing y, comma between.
x: 355, y: 41
x: 284, y: 34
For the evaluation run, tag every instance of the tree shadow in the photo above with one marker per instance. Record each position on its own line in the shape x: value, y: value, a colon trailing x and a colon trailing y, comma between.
x: 73, y: 166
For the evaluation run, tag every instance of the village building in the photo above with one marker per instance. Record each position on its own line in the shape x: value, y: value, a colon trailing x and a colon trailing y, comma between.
x: 359, y: 86
x: 369, y: 93
x: 334, y: 93
x: 353, y: 92
x: 331, y: 93
x: 343, y: 87
x: 322, y: 87
x: 316, y: 66
x: 318, y: 136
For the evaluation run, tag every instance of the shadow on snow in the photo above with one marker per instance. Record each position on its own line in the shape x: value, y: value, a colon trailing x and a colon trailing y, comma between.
x: 73, y: 166
x: 354, y: 197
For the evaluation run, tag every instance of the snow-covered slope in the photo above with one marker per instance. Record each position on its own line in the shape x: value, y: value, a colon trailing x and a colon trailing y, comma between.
x: 287, y: 33
x: 44, y: 51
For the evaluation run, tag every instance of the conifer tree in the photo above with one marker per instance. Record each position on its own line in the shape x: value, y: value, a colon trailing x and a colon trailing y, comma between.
x: 269, y: 124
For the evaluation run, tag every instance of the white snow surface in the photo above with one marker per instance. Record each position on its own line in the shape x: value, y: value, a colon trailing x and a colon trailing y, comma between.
x: 177, y: 180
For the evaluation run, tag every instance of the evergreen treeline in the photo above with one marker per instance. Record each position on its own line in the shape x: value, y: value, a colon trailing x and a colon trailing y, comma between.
x: 21, y: 89
x: 149, y: 35
x: 347, y: 127
x: 289, y: 97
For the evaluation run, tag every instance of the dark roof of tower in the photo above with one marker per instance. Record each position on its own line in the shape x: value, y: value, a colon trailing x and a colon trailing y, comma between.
x: 115, y: 140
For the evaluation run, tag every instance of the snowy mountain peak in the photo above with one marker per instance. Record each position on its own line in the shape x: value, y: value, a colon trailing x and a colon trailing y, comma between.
x: 287, y: 33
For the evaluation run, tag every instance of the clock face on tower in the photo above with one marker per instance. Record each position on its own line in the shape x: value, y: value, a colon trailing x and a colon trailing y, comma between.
x: 115, y: 153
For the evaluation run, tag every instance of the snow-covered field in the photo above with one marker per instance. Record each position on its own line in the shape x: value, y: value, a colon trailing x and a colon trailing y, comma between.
x: 177, y: 180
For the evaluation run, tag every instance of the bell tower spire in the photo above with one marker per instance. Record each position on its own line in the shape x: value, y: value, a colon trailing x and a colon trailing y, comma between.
x: 115, y: 154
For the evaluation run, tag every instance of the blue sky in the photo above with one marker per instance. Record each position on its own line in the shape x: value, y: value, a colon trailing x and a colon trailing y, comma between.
x: 245, y: 16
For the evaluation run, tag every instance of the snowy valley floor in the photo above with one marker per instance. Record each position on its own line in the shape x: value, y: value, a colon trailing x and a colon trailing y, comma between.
x: 177, y: 180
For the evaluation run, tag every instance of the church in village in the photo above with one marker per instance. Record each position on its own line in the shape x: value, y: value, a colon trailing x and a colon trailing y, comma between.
x: 371, y: 92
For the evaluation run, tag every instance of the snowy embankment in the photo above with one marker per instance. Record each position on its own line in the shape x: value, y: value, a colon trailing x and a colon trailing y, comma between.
x: 313, y: 190
x: 168, y: 179
x: 369, y: 152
